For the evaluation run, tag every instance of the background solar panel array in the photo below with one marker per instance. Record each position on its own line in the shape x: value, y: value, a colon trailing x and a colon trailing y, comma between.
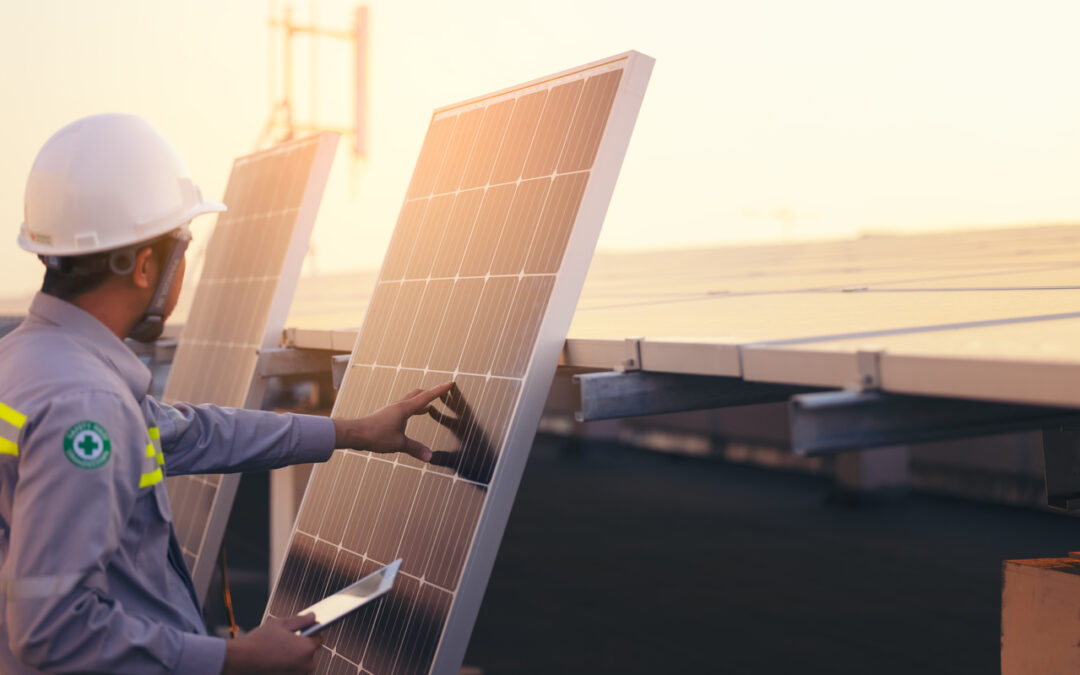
x: 252, y: 263
x: 465, y: 286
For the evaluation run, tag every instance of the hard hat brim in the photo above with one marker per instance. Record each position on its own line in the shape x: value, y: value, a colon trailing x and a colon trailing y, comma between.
x: 28, y: 243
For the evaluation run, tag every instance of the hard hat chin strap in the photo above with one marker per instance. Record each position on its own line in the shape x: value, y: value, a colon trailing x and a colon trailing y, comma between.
x: 152, y: 323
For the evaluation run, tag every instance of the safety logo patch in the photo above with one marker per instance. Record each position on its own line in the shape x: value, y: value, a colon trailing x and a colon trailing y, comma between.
x: 87, y: 445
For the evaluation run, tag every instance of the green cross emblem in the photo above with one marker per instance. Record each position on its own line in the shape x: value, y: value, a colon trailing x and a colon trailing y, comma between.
x: 87, y: 445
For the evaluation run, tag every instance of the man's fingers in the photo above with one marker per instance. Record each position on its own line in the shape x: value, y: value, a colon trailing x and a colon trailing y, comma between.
x: 436, y: 392
x: 417, y: 450
x: 456, y: 402
x: 299, y: 621
x: 419, y: 402
x: 412, y: 393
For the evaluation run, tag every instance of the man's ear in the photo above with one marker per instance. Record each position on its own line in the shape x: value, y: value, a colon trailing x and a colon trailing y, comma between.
x: 146, y: 269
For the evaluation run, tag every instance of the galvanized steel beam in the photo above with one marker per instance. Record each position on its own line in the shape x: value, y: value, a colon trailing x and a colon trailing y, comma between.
x: 610, y: 395
x: 840, y: 421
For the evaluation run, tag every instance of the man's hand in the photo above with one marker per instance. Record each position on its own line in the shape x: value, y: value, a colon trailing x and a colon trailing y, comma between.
x: 274, y: 647
x: 384, y: 429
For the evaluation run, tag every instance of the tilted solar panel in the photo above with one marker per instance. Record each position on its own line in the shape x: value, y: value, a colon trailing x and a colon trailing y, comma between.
x: 479, y: 285
x: 252, y: 264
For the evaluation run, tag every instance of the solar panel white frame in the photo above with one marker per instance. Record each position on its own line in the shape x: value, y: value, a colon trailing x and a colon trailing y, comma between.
x: 200, y: 526
x: 523, y: 419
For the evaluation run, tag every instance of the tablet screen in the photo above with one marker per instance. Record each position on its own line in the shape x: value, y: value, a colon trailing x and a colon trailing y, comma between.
x: 351, y: 598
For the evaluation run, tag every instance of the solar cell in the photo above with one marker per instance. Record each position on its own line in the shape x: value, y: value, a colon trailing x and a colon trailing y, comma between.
x: 478, y: 285
x: 252, y: 264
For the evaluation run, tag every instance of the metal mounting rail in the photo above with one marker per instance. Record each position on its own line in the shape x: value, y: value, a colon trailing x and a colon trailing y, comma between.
x: 821, y: 421
x: 839, y: 421
x: 610, y: 395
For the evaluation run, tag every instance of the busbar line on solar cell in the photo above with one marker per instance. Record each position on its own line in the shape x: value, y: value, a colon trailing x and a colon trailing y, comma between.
x: 478, y: 285
x: 251, y: 268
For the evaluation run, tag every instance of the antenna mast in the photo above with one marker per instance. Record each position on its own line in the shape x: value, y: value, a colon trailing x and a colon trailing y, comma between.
x: 282, y: 124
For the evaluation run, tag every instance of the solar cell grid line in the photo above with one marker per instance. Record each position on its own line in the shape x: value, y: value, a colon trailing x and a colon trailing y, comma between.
x: 241, y: 300
x: 478, y: 285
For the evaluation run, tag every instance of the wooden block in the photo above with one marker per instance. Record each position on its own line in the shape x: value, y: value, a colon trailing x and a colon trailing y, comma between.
x: 1040, y: 619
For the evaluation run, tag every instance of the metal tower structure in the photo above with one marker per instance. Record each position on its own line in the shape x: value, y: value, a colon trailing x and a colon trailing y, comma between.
x: 282, y: 124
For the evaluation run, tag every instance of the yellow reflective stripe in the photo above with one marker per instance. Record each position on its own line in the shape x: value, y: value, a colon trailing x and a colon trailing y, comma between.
x: 11, y: 420
x: 12, y: 416
x: 152, y: 478
x: 155, y: 445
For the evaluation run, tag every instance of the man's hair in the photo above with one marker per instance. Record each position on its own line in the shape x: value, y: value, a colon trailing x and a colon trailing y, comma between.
x: 69, y: 277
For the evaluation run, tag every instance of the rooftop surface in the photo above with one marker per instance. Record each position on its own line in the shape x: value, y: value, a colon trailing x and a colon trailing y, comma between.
x: 620, y: 561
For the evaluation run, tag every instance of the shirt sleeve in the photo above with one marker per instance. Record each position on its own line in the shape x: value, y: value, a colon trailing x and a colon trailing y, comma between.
x: 77, y: 488
x: 211, y: 439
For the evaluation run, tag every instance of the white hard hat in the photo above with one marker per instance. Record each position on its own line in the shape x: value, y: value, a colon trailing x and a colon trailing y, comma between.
x: 104, y: 182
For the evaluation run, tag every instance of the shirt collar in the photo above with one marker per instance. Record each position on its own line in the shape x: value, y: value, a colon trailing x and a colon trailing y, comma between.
x: 95, y: 334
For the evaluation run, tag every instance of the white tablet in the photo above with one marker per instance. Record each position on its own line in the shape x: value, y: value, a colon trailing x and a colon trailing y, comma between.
x: 333, y: 608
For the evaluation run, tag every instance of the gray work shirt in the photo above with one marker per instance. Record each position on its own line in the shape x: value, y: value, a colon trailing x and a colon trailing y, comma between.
x: 91, y: 578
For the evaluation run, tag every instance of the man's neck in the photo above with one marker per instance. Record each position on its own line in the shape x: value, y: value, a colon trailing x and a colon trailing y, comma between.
x: 109, y: 306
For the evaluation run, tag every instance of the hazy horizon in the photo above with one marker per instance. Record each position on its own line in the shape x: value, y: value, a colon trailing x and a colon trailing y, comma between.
x: 16, y: 303
x: 770, y: 121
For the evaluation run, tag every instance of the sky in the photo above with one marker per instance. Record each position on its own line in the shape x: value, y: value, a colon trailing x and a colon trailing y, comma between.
x: 764, y: 121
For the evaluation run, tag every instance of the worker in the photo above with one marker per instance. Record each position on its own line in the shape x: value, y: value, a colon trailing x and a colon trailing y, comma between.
x: 92, y: 579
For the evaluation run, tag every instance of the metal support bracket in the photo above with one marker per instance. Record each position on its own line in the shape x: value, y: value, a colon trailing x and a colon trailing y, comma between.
x: 839, y: 421
x: 290, y: 361
x: 610, y: 395
x: 1061, y: 459
x: 632, y: 356
x: 338, y: 365
x: 869, y: 365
